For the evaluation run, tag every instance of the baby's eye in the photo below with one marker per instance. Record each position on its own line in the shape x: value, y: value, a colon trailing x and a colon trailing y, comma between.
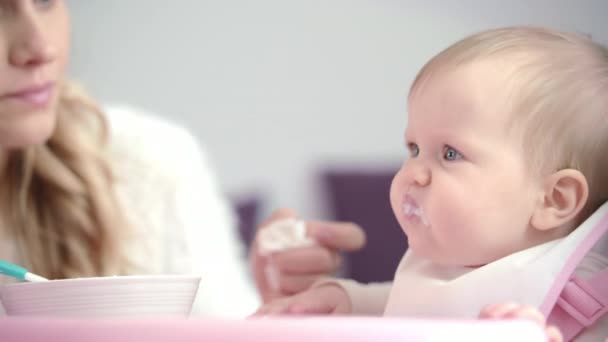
x: 450, y: 154
x: 414, y: 149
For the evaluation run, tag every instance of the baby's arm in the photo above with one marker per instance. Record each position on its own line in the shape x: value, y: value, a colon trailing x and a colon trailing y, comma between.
x: 332, y: 297
x: 366, y: 299
x: 517, y: 311
x: 322, y: 300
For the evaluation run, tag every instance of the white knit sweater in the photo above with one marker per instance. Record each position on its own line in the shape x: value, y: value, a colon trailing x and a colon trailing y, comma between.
x: 182, y: 223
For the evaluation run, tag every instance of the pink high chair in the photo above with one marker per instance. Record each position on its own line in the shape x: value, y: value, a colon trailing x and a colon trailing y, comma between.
x: 314, y: 329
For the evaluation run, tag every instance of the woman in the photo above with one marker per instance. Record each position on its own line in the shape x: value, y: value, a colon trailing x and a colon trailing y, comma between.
x: 87, y: 192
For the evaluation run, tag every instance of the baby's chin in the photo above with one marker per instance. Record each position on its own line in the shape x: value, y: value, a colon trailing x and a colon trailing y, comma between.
x: 449, y: 259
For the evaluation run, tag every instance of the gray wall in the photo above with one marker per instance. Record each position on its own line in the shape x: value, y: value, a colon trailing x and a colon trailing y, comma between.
x: 277, y: 88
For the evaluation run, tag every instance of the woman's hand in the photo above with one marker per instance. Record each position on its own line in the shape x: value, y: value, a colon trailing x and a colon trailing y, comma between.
x: 292, y: 271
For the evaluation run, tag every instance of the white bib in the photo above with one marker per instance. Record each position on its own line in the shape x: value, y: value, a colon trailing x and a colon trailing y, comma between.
x: 531, y: 277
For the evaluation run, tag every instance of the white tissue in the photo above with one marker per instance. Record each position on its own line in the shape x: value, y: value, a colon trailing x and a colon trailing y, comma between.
x: 282, y: 235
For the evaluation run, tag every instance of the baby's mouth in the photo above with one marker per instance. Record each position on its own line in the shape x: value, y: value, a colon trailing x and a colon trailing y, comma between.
x: 413, y: 211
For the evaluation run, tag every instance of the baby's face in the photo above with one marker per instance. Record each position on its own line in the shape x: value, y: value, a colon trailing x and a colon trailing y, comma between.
x: 465, y: 195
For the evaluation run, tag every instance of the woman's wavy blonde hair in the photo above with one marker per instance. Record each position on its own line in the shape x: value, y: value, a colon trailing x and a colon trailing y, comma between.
x: 58, y: 201
x: 557, y: 91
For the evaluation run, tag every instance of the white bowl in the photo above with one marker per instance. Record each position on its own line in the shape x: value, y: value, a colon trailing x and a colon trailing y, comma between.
x: 102, y: 297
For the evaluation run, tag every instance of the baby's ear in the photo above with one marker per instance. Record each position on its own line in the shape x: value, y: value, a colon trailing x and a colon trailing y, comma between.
x: 565, y: 193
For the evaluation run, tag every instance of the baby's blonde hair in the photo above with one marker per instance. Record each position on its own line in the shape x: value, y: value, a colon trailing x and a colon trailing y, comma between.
x: 57, y: 198
x: 557, y: 91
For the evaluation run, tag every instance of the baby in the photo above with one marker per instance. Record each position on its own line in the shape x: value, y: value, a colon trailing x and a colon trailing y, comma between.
x: 507, y: 134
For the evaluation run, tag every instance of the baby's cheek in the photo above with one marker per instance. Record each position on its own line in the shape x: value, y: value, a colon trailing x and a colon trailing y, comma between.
x: 456, y: 227
x: 396, y: 195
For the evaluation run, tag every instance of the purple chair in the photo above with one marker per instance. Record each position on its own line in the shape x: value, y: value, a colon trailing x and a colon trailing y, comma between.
x: 247, y: 209
x: 362, y: 196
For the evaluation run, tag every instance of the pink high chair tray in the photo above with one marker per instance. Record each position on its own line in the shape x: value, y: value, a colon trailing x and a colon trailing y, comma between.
x: 266, y: 329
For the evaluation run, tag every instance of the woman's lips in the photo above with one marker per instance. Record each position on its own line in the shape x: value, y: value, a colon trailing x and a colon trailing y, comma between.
x: 36, y: 96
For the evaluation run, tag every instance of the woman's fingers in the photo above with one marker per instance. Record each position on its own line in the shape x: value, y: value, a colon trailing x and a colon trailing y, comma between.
x: 341, y: 236
x: 279, y: 214
x: 307, y: 260
x: 294, y: 270
x: 292, y: 284
x: 259, y: 263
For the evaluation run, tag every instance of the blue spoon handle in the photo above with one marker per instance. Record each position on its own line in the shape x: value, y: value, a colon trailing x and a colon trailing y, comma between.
x: 12, y: 270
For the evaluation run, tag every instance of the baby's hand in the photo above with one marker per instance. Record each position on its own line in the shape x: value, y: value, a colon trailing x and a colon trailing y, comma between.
x: 517, y: 311
x: 323, y: 300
